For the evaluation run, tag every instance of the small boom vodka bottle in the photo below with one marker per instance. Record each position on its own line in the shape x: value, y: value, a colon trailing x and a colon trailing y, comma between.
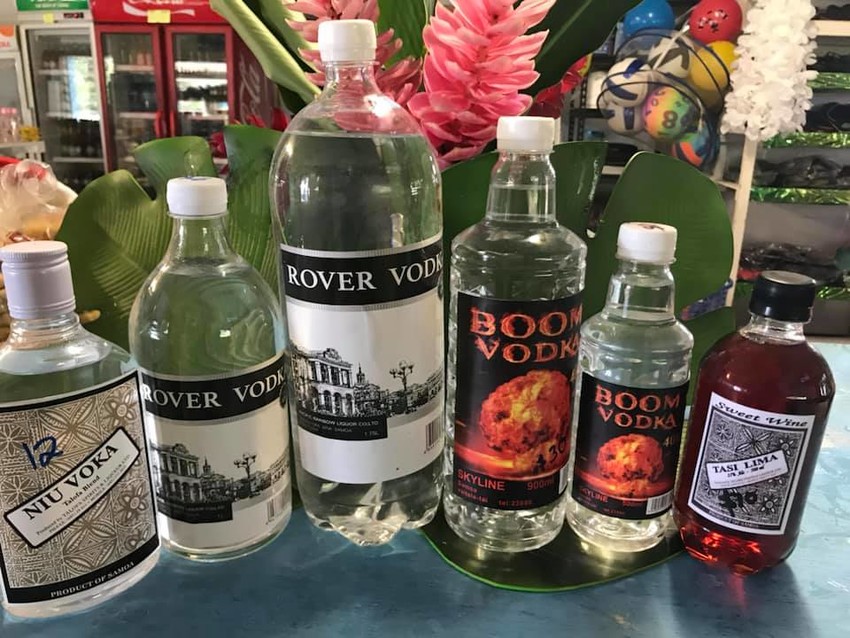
x: 516, y: 282
x: 78, y: 522
x: 635, y: 363
x: 208, y: 335
x: 357, y: 196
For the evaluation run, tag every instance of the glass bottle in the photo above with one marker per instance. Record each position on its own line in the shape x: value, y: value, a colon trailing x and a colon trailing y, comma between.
x: 762, y: 400
x: 208, y: 335
x: 635, y: 363
x: 78, y: 524
x: 516, y: 282
x: 356, y: 193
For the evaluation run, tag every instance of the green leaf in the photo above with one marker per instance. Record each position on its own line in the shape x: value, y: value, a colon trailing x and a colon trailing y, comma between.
x: 116, y: 234
x: 279, y: 65
x: 662, y: 189
x: 274, y: 14
x: 576, y: 28
x: 406, y: 18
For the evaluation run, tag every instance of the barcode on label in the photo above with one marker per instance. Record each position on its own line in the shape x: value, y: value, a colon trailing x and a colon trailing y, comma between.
x: 433, y: 434
x: 276, y: 505
x: 659, y: 503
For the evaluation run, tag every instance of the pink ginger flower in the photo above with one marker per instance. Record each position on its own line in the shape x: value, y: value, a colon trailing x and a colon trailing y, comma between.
x: 399, y: 80
x: 478, y: 61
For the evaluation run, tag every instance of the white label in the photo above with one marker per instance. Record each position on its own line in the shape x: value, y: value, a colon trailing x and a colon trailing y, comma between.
x: 749, y: 466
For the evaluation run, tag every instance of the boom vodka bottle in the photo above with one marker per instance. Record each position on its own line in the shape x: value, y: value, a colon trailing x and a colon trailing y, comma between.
x: 356, y: 191
x: 516, y: 282
x: 208, y: 335
x: 635, y: 362
x: 761, y: 406
x: 75, y: 489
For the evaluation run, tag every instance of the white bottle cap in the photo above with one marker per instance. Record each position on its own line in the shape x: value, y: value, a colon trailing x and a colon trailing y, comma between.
x: 196, y: 197
x: 525, y: 134
x: 347, y: 40
x: 38, y: 279
x: 647, y: 242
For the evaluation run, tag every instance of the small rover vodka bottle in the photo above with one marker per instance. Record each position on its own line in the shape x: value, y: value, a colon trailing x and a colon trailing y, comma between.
x: 356, y: 190
x: 78, y: 524
x: 516, y: 282
x: 208, y: 335
x: 762, y: 401
x: 635, y: 364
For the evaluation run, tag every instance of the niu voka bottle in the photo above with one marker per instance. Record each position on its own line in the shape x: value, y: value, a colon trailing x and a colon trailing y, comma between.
x: 78, y: 522
x: 635, y: 364
x: 356, y: 190
x: 516, y: 282
x: 760, y: 410
x: 207, y: 332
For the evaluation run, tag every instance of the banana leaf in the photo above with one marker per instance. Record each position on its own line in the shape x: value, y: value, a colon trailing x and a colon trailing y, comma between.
x: 406, y: 19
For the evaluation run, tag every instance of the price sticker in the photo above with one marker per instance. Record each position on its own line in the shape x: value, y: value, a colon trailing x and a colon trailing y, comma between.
x: 159, y: 16
x: 48, y: 18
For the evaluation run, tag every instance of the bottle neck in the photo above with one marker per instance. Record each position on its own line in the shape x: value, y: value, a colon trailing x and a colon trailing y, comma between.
x: 200, y: 237
x: 766, y: 330
x: 522, y: 188
x: 641, y: 292
x: 350, y: 79
x: 38, y: 333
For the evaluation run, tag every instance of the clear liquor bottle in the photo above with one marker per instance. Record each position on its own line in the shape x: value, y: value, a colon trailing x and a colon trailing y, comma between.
x: 516, y: 281
x: 635, y: 362
x: 356, y: 193
x: 207, y: 332
x: 73, y: 456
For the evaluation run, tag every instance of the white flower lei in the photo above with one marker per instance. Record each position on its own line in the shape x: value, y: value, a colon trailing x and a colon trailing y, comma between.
x: 770, y: 83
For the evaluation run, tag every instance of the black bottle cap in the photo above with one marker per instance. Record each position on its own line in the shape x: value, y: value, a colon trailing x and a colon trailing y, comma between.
x: 784, y: 296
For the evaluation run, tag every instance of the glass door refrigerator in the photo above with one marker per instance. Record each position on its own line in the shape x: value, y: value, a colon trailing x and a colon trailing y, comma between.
x: 13, y: 109
x: 64, y: 94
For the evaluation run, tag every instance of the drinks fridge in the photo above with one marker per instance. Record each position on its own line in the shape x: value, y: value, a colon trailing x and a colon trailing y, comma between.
x: 63, y: 93
x: 12, y: 103
x: 172, y: 68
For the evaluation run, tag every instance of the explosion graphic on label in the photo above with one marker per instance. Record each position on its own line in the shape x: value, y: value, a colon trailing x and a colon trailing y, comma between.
x: 632, y: 463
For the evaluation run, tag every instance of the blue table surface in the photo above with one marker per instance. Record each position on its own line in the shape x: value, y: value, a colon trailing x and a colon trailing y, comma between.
x: 313, y: 583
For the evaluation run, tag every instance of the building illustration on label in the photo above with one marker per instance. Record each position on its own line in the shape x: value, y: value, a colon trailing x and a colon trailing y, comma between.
x: 189, y: 491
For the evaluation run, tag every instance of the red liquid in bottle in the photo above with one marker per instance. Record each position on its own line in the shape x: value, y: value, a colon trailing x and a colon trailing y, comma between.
x: 766, y: 375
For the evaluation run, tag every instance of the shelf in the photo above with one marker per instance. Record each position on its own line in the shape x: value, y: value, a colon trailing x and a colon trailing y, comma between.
x: 133, y: 68
x: 810, y: 140
x: 137, y: 115
x: 820, y: 196
x: 54, y: 72
x: 219, y: 117
x: 613, y: 170
x: 77, y: 160
x: 221, y: 79
x: 220, y: 161
x: 830, y: 81
x: 732, y: 186
x: 28, y: 147
x: 833, y: 28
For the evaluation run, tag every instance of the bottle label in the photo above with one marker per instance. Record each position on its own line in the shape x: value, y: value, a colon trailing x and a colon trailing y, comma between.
x: 627, y: 448
x: 748, y: 466
x: 75, y: 492
x: 219, y: 448
x: 366, y: 345
x: 516, y: 368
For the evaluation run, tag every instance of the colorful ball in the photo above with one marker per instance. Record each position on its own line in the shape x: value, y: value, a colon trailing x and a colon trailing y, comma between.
x: 628, y: 82
x: 625, y: 120
x: 710, y: 71
x: 668, y: 114
x: 713, y: 20
x: 672, y: 58
x: 649, y: 14
x: 697, y: 148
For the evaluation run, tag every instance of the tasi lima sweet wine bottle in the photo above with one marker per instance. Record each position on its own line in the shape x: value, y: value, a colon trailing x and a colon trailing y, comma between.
x: 78, y: 524
x: 356, y: 194
x: 207, y: 332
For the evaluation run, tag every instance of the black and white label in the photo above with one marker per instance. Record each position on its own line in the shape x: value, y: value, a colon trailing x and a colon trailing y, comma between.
x: 75, y: 492
x: 366, y: 343
x: 219, y: 454
x: 749, y: 466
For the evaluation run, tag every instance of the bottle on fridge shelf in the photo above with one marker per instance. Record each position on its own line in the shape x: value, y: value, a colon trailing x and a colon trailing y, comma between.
x: 762, y: 401
x: 635, y: 364
x: 208, y: 334
x: 356, y: 189
x: 74, y: 461
x: 516, y: 284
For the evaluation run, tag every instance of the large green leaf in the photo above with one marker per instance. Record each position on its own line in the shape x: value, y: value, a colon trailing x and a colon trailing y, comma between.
x: 576, y: 28
x: 275, y: 14
x: 406, y: 18
x: 278, y: 63
x: 116, y: 234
